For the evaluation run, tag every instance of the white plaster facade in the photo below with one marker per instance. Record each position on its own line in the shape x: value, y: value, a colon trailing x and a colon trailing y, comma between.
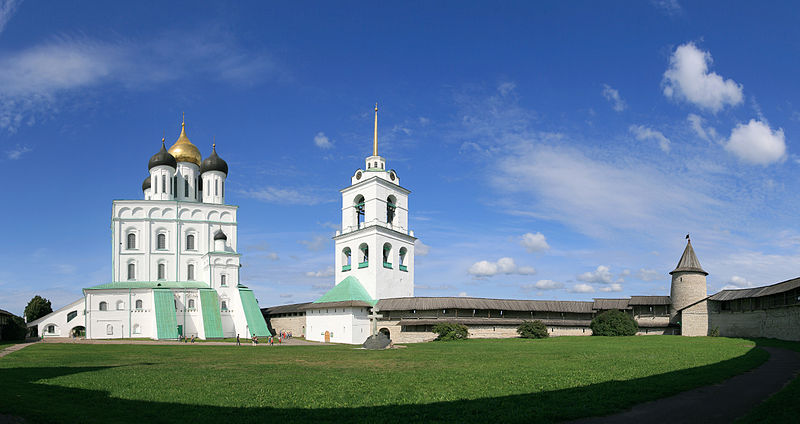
x: 348, y: 325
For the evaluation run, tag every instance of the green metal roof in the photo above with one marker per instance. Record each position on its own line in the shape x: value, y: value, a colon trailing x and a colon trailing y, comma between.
x: 212, y: 322
x: 349, y: 289
x: 255, y: 319
x: 151, y: 285
x: 166, y: 322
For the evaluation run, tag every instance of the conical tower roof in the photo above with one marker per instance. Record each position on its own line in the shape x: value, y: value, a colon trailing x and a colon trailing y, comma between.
x: 689, y: 262
x: 350, y: 289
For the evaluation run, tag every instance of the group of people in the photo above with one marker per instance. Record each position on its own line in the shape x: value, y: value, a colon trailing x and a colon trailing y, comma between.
x: 185, y: 339
x: 280, y: 337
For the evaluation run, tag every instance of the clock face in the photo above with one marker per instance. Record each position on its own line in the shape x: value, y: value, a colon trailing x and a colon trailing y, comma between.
x: 392, y: 176
x: 358, y: 175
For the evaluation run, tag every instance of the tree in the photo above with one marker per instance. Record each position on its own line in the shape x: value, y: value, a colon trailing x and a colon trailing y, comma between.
x: 14, y: 329
x: 37, y: 308
x: 533, y: 330
x: 614, y: 323
x: 450, y: 331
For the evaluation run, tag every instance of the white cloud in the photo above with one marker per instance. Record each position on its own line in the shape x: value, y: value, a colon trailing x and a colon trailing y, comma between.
x: 613, y: 96
x: 643, y: 133
x: 327, y: 272
x: 670, y: 7
x: 322, y: 141
x: 737, y: 282
x: 316, y: 243
x: 283, y: 196
x: 7, y: 9
x: 462, y: 294
x: 648, y: 275
x: 756, y: 143
x: 534, y: 242
x: 688, y: 79
x: 543, y: 285
x: 581, y: 288
x: 706, y: 133
x: 600, y: 275
x: 613, y: 287
x: 506, y: 88
x: 421, y: 249
x: 273, y: 256
x: 484, y: 269
x: 35, y: 80
x: 17, y: 152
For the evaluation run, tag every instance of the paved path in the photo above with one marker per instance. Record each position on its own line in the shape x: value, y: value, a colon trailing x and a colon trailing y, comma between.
x: 14, y: 348
x: 245, y: 342
x: 720, y: 403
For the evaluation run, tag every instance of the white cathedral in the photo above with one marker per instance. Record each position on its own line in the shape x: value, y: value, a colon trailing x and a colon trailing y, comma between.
x: 175, y: 262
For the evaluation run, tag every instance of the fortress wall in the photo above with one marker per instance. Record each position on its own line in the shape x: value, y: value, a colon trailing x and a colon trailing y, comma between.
x: 778, y: 323
x: 694, y: 320
x: 297, y: 325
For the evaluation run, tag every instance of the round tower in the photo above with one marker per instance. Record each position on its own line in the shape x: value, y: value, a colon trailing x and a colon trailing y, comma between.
x: 688, y: 293
x: 213, y: 173
x: 162, y: 170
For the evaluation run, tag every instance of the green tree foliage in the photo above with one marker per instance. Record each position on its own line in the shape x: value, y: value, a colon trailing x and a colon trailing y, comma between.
x: 37, y: 308
x: 533, y: 330
x: 14, y: 329
x: 450, y: 331
x: 614, y: 323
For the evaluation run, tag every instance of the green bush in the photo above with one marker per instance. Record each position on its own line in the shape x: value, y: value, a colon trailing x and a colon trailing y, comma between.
x: 451, y: 331
x: 714, y: 332
x: 614, y: 323
x: 533, y: 330
x: 14, y: 329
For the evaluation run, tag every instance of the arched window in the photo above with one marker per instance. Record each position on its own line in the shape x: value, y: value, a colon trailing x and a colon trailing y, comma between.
x: 224, y: 306
x: 120, y: 305
x: 358, y: 203
x: 403, y: 252
x: 191, y: 303
x: 190, y: 242
x: 131, y: 241
x: 137, y: 329
x: 139, y: 304
x: 162, y: 271
x: 190, y: 272
x: 131, y: 271
x: 163, y: 183
x: 364, y: 259
x: 216, y: 188
x: 161, y: 241
x: 387, y: 255
x: 103, y: 306
x: 185, y: 187
x: 110, y: 330
x: 223, y: 280
x: 346, y: 259
x: 391, y: 205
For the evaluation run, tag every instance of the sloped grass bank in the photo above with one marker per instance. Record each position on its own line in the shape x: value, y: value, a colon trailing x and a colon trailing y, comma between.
x: 511, y: 380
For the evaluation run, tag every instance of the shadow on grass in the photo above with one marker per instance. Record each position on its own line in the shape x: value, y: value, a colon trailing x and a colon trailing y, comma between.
x: 781, y: 407
x: 37, y: 402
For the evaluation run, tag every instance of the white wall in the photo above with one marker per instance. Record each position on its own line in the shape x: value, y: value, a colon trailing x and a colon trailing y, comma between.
x: 347, y: 325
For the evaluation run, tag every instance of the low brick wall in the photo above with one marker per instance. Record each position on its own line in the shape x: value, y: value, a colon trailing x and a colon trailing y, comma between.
x: 778, y: 323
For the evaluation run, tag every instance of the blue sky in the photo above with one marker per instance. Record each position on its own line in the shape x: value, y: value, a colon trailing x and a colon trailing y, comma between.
x: 555, y: 150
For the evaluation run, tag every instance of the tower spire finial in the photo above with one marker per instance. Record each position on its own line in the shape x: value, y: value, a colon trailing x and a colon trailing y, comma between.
x: 183, y: 118
x: 375, y: 138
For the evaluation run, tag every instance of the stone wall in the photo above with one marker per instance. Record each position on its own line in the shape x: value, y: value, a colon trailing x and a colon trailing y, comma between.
x: 297, y: 325
x: 779, y: 323
x: 694, y: 320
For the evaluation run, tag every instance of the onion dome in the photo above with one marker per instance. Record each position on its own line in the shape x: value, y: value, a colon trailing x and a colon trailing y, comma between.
x: 214, y: 162
x: 219, y: 235
x: 184, y: 150
x: 146, y: 183
x: 162, y: 158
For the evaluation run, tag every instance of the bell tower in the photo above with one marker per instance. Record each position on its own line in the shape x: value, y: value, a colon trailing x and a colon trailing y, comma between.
x: 375, y: 244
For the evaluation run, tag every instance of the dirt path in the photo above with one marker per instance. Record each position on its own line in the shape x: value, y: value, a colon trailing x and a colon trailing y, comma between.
x: 14, y: 348
x: 245, y: 342
x: 720, y: 403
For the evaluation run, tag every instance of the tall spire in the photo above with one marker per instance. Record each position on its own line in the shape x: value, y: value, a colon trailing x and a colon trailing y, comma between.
x: 375, y: 138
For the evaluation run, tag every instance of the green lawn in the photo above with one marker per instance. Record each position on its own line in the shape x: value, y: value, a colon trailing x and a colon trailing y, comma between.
x: 783, y: 407
x: 511, y: 380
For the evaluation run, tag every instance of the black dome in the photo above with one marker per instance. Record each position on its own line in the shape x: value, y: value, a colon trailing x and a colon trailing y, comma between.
x: 162, y: 158
x: 146, y: 184
x: 214, y: 163
x: 219, y: 235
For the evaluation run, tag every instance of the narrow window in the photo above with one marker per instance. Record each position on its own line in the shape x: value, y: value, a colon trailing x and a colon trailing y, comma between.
x: 359, y: 205
x: 103, y: 306
x: 364, y: 249
x: 223, y: 280
x: 346, y: 257
x: 162, y: 271
x: 174, y: 185
x: 223, y: 189
x: 216, y: 188
x: 190, y: 272
x: 387, y: 255
x: 131, y: 241
x: 224, y: 305
x: 185, y: 187
x: 190, y: 242
x: 163, y: 183
x: 403, y: 252
x: 72, y: 315
x: 391, y: 205
x: 139, y: 304
x: 195, y: 187
x: 191, y: 303
x: 161, y: 241
x: 109, y: 329
x: 131, y: 271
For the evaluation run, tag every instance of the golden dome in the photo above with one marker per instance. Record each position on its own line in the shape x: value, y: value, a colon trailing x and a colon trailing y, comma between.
x: 183, y: 150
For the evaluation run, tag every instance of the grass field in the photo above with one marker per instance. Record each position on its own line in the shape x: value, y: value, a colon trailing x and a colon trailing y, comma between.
x: 511, y: 380
x: 783, y: 407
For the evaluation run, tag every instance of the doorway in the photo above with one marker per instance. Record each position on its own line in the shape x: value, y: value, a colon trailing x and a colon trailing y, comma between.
x: 327, y: 337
